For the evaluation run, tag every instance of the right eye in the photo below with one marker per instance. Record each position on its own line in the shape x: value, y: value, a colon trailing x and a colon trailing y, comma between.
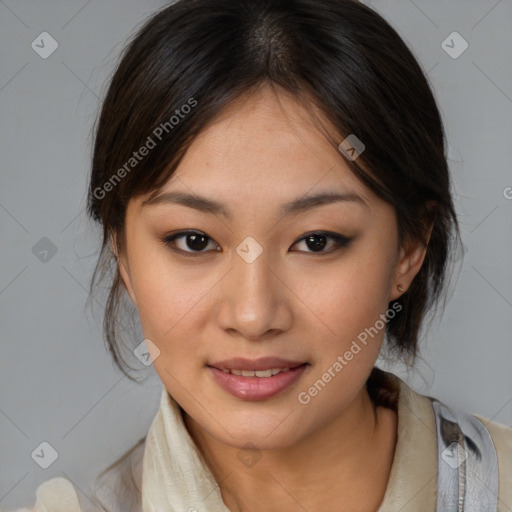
x: 193, y: 240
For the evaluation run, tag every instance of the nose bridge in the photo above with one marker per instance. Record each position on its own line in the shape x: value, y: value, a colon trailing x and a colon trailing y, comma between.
x: 252, y: 303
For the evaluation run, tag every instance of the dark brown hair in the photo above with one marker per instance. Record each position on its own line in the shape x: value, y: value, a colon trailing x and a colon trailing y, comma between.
x: 191, y: 59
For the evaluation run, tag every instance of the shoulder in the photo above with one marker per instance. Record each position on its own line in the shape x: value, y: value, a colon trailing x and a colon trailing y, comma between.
x: 428, y: 428
x: 472, y: 426
x: 486, y: 450
x: 55, y: 495
x: 501, y: 436
x: 116, y: 489
x: 119, y: 487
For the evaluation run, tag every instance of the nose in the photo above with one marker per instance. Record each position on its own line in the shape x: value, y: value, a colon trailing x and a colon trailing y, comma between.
x: 254, y: 300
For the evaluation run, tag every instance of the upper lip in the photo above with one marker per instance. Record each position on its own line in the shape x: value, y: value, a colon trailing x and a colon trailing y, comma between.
x: 264, y: 363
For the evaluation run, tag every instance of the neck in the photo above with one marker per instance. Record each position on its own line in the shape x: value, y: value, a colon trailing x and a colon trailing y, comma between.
x: 345, y: 465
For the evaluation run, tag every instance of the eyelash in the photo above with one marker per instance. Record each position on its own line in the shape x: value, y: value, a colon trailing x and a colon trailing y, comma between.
x: 339, y: 241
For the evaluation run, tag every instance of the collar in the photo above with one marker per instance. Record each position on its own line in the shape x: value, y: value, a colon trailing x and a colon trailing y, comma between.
x: 412, y: 484
x: 176, y: 476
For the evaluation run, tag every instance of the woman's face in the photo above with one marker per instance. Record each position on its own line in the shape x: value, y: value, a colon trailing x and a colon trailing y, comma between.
x: 253, y: 283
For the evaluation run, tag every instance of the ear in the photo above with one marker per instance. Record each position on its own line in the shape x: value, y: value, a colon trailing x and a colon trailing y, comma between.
x: 124, y: 268
x: 411, y: 257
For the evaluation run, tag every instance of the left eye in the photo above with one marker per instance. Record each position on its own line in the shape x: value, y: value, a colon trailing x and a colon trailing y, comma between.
x: 319, y: 240
x: 196, y: 242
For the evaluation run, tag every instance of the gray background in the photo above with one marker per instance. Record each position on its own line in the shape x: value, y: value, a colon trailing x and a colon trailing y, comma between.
x: 57, y: 382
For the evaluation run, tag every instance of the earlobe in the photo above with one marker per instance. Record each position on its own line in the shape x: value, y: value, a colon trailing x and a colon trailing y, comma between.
x: 409, y: 264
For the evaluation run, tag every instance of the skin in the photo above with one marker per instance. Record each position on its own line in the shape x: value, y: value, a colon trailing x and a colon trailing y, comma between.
x: 290, y: 302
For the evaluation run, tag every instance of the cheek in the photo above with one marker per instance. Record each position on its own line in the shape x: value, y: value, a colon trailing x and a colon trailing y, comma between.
x: 349, y: 330
x: 168, y: 303
x: 161, y: 298
x: 171, y: 305
x: 352, y: 295
x: 171, y: 318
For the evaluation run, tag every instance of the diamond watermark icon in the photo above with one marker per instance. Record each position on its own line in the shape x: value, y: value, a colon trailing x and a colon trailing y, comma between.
x: 44, y: 45
x: 454, y: 455
x: 146, y: 352
x: 249, y: 249
x: 454, y: 45
x: 351, y: 147
x: 44, y: 250
x: 249, y: 455
x: 45, y: 455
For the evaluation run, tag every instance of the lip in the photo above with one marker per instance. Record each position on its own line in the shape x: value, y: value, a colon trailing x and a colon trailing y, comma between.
x: 258, y: 388
x: 264, y: 363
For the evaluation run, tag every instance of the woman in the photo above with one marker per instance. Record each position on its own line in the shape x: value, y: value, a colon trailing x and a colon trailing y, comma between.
x: 273, y: 189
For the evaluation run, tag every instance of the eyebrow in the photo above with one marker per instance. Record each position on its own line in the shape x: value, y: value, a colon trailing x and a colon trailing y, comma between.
x: 294, y: 207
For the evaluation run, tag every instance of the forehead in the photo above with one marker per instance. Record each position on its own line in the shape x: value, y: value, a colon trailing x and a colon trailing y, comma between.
x: 266, y: 145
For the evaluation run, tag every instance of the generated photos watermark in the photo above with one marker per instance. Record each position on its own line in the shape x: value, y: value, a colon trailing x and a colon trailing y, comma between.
x: 157, y: 135
x: 304, y: 397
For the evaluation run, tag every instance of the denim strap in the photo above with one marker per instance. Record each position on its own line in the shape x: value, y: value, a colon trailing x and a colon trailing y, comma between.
x: 467, y: 463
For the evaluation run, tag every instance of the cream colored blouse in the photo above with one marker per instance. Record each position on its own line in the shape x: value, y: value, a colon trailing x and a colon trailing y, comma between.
x: 165, y: 470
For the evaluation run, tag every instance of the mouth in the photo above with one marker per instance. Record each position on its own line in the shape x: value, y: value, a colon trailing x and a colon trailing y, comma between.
x: 251, y: 366
x: 256, y: 379
x: 256, y: 373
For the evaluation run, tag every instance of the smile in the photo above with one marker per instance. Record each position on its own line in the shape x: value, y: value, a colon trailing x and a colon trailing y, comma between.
x: 257, y: 373
x: 267, y: 378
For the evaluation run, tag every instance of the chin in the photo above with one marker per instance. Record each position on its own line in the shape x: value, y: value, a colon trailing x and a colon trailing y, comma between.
x: 259, y: 440
x: 263, y: 431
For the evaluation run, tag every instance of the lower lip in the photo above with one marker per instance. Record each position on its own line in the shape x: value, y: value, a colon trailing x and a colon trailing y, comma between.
x: 257, y: 388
